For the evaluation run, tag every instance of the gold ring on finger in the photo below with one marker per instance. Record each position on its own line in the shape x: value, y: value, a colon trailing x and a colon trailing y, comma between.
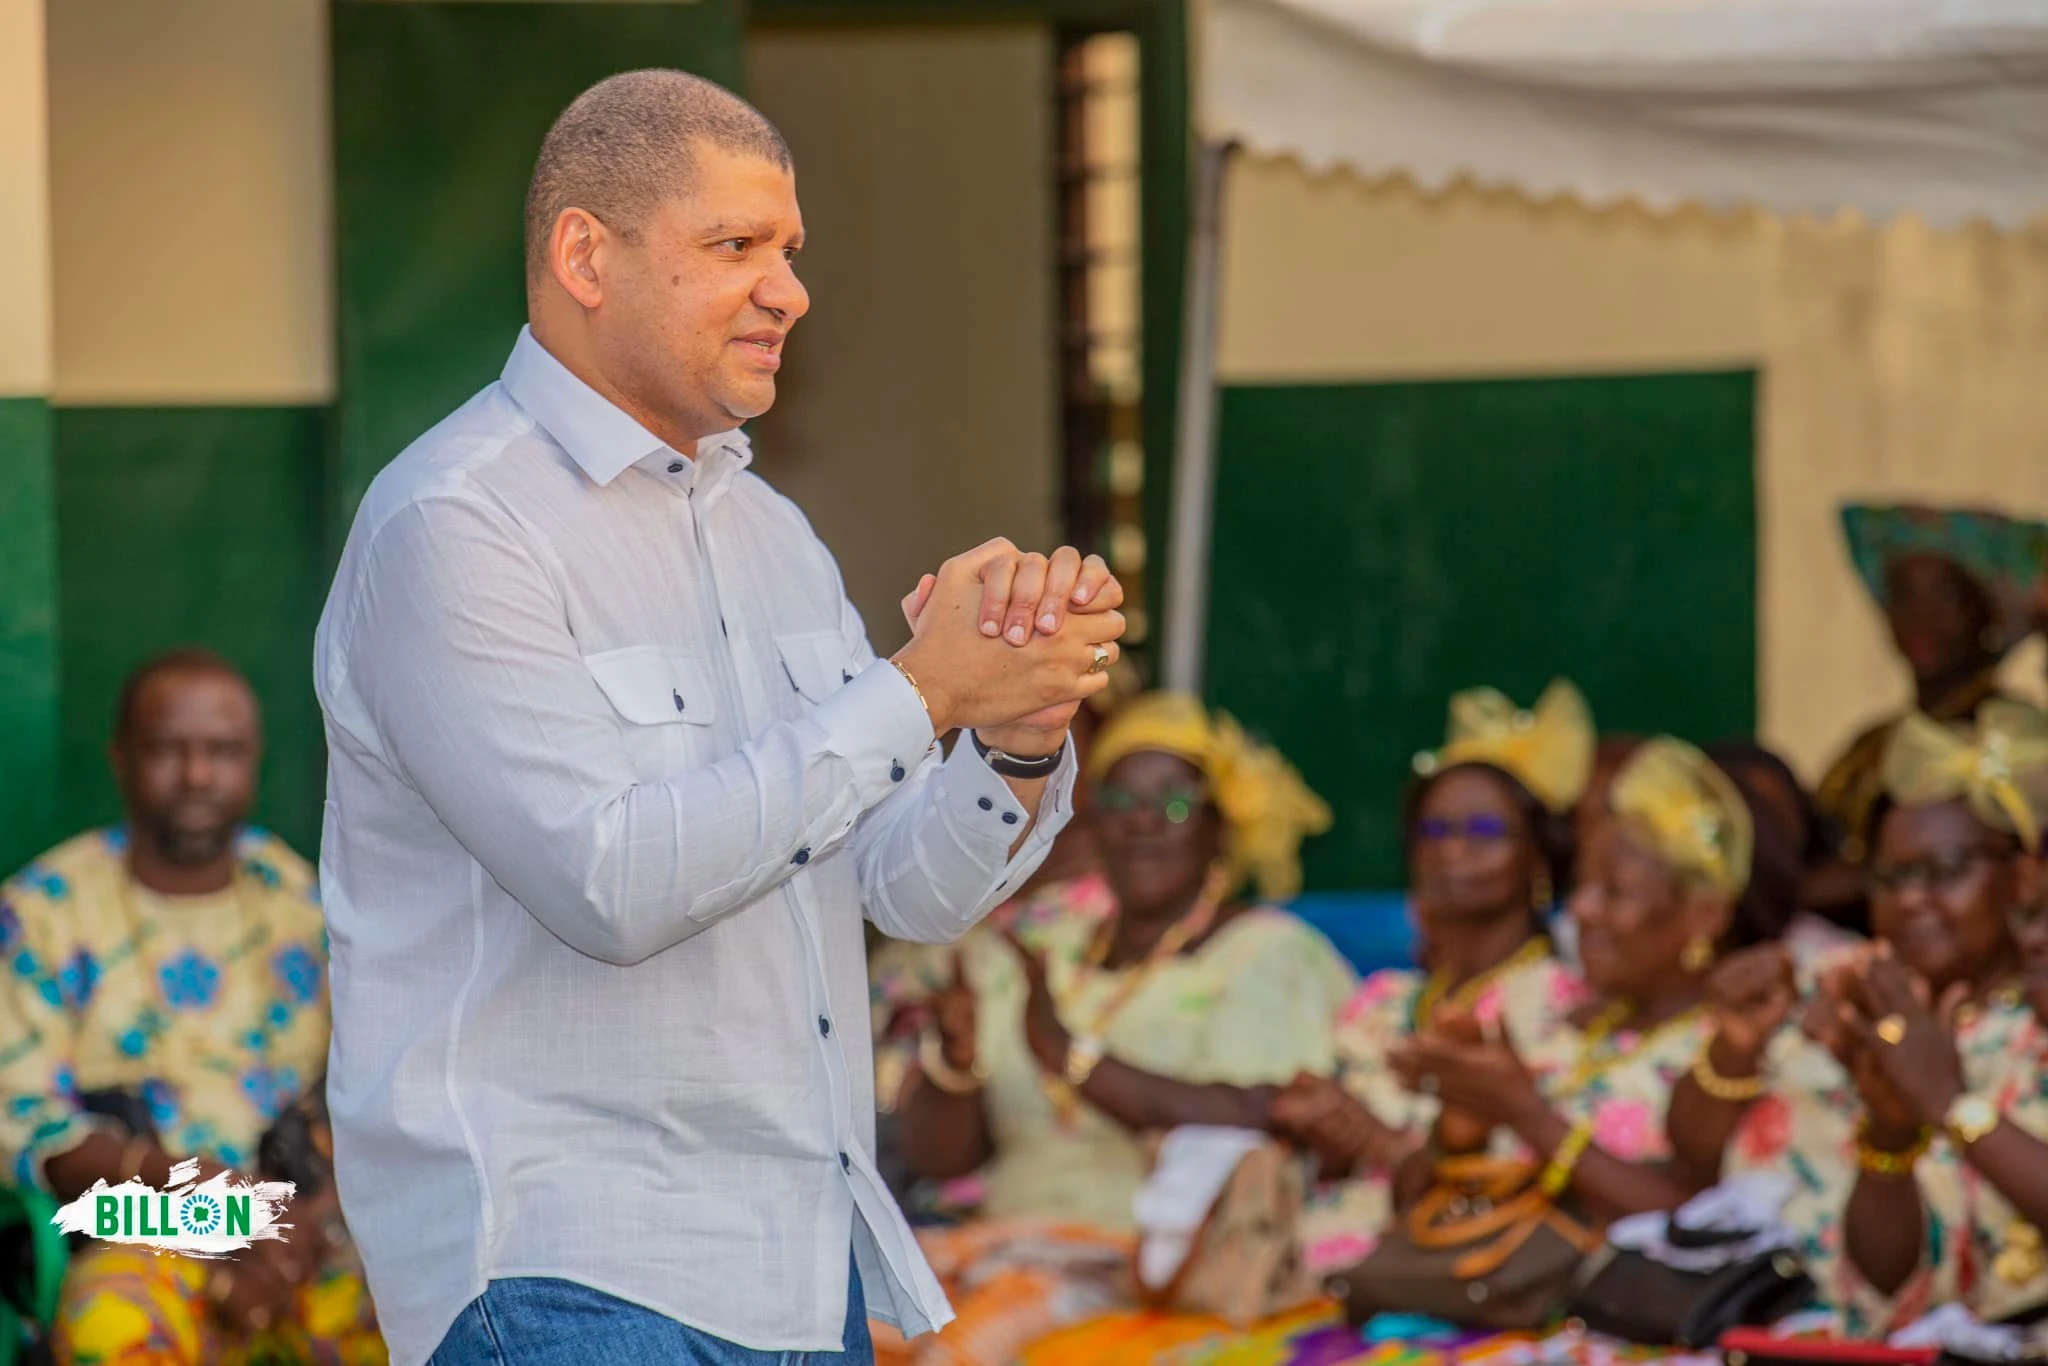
x: 1892, y: 1029
x: 1101, y: 660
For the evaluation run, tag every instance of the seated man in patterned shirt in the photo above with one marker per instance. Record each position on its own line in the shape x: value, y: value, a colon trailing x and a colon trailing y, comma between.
x: 163, y: 995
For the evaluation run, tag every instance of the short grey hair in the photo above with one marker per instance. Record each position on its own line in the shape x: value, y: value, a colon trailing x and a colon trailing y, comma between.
x: 625, y: 145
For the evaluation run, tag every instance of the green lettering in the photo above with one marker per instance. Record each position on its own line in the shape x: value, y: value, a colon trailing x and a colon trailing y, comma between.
x: 237, y: 1215
x: 142, y: 1221
x: 106, y: 1216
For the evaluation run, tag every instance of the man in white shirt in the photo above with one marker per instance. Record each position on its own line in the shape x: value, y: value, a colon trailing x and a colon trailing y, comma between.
x: 613, y: 775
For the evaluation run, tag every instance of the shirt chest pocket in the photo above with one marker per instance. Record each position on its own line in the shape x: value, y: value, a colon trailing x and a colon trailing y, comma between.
x: 667, y: 709
x: 815, y: 664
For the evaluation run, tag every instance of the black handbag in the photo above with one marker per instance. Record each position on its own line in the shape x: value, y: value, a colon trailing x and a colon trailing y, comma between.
x: 1627, y: 1294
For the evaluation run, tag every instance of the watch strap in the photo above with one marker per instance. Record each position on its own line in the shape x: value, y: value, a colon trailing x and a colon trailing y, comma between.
x: 1014, y: 765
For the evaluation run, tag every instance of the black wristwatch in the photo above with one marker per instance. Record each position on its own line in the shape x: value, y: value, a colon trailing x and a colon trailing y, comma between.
x: 1017, y: 766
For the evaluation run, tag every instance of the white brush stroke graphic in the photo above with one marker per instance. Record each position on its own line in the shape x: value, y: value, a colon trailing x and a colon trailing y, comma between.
x: 210, y: 1218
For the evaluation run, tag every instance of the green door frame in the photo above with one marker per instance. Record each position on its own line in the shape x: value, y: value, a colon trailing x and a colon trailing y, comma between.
x: 1166, y: 154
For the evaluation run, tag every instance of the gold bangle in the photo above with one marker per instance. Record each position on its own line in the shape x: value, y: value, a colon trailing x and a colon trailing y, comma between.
x: 911, y: 679
x: 1558, y: 1174
x: 1883, y: 1162
x: 1735, y: 1090
x: 1084, y: 1055
x: 931, y: 1060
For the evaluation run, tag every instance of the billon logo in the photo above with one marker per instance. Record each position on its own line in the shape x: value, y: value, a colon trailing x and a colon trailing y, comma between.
x: 159, y: 1215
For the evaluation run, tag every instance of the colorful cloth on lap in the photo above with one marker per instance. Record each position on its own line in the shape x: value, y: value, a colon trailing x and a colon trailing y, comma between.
x: 1318, y: 1336
x: 213, y: 1009
x: 1012, y: 1282
x: 128, y: 1306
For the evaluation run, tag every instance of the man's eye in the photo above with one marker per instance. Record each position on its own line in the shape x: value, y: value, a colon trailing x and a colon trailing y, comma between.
x: 737, y: 244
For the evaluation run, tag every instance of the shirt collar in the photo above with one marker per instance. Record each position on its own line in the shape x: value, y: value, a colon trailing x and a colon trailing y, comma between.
x: 603, y: 438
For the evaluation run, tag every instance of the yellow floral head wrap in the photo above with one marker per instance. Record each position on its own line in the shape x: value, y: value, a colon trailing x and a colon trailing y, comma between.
x: 1267, y: 809
x: 1692, y: 812
x: 1999, y: 765
x: 1548, y: 750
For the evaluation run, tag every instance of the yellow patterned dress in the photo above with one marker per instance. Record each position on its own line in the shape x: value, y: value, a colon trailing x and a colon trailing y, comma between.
x: 1253, y: 1005
x: 212, y: 1011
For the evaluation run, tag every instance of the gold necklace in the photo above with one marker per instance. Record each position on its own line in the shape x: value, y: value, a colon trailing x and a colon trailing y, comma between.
x: 1603, y: 1027
x: 1066, y: 1102
x: 1437, y: 993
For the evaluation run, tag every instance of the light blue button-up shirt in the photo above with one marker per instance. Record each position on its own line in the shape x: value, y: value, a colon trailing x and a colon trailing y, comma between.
x: 613, y: 776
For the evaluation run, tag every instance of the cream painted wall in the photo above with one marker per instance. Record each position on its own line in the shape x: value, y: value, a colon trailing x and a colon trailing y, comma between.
x: 24, y: 204
x: 190, y: 201
x: 1331, y: 278
x: 918, y: 410
x: 1897, y: 364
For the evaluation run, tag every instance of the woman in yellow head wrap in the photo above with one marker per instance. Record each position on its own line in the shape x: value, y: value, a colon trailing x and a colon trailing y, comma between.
x: 1053, y: 1057
x: 1654, y: 908
x: 1486, y: 828
x: 1910, y: 1121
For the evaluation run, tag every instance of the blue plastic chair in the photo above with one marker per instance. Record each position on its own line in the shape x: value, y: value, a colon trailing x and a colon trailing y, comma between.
x: 1370, y: 928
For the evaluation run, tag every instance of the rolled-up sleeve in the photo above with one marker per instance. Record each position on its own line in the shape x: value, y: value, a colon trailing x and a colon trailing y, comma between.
x: 471, y: 687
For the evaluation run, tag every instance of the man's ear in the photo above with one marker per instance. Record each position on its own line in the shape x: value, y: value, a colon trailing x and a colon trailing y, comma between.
x: 577, y: 249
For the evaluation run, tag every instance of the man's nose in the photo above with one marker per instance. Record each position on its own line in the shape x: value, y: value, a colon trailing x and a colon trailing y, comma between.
x: 782, y: 294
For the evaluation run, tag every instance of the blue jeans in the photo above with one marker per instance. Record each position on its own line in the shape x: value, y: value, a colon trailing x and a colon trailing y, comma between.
x: 539, y: 1321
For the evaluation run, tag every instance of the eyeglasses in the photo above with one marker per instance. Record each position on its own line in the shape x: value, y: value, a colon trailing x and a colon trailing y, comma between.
x: 1176, y: 804
x: 1487, y: 828
x: 1940, y: 872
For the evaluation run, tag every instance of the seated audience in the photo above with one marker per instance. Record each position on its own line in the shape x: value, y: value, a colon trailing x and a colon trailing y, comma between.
x: 1058, y: 1046
x: 1910, y: 1110
x: 1572, y: 1076
x: 167, y: 1000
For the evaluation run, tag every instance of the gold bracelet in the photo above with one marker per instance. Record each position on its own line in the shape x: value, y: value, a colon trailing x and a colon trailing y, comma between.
x: 1735, y: 1090
x: 1558, y: 1174
x: 931, y: 1060
x: 1882, y: 1162
x: 911, y: 679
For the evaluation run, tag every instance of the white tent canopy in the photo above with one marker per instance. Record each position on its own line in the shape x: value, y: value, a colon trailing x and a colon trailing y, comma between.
x: 1932, y: 107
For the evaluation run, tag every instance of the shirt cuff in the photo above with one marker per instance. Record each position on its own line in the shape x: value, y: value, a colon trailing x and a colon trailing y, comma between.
x: 985, y: 815
x: 880, y: 727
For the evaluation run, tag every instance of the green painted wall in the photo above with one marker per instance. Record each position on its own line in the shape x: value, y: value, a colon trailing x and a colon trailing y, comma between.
x: 192, y: 526
x: 1381, y: 546
x: 439, y: 111
x: 28, y: 632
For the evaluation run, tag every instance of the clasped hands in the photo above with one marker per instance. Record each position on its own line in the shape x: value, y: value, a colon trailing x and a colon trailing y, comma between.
x: 1894, y: 1038
x: 1009, y: 643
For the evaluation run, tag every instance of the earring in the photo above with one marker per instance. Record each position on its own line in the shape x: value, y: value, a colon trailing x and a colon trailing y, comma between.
x: 1698, y: 955
x: 1541, y: 894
